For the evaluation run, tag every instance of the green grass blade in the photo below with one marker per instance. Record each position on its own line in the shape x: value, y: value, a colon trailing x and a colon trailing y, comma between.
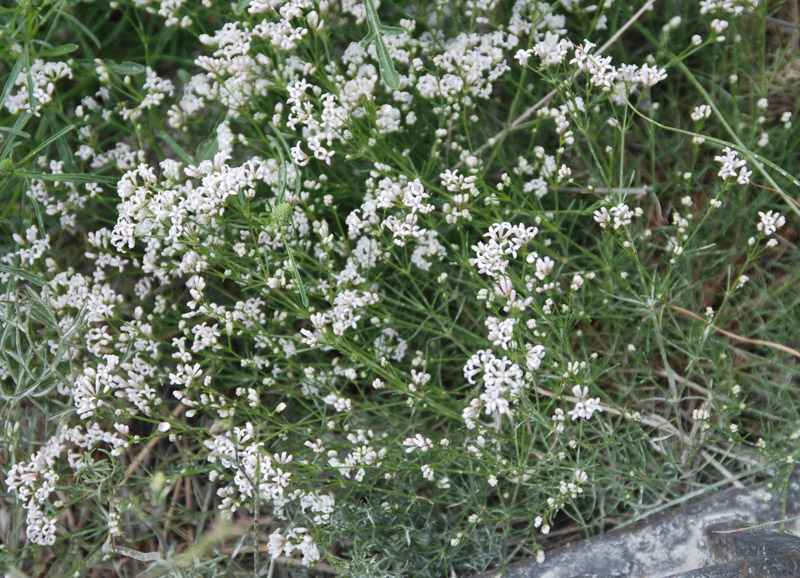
x: 12, y: 78
x: 46, y: 143
x: 22, y: 274
x: 27, y: 61
x: 69, y: 177
x: 297, y: 279
x: 81, y: 26
x: 15, y: 132
x: 287, y: 150
x: 176, y: 148
x: 281, y: 169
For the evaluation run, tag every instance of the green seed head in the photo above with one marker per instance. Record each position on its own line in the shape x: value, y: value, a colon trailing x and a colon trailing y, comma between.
x: 281, y: 215
x: 6, y: 167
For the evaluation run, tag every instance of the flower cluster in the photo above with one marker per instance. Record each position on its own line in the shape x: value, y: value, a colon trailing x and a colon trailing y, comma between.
x: 503, y: 240
x: 585, y: 407
x: 731, y: 163
x: 502, y: 380
x: 253, y: 471
x: 295, y: 540
x: 35, y: 480
x: 35, y: 86
x: 770, y: 222
x: 617, y: 216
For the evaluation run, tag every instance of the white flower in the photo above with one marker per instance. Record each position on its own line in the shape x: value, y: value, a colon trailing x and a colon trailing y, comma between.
x: 730, y: 163
x: 340, y: 404
x: 622, y: 215
x: 700, y: 112
x: 584, y: 408
x: 504, y: 239
x: 501, y: 332
x: 770, y: 222
x: 744, y: 176
x: 651, y: 75
x: 544, y: 266
x: 602, y: 217
x: 552, y: 49
x: 417, y: 442
x: 535, y: 355
x: 719, y: 26
x: 522, y: 56
x: 388, y: 119
x: 299, y: 155
x: 276, y: 544
x: 43, y: 76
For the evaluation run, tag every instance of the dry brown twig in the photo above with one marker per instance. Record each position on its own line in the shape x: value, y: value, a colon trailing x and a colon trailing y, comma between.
x: 145, y: 451
x: 734, y: 336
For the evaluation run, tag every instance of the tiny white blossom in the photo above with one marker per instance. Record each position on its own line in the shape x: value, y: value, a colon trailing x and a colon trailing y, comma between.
x: 417, y: 443
x: 701, y: 112
x: 770, y: 222
x: 730, y: 163
x: 584, y: 407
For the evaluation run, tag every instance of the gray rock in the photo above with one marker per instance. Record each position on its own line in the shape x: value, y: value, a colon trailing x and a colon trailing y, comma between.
x: 712, y: 538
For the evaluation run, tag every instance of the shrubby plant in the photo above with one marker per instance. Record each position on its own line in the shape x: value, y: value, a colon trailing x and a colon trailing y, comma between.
x: 401, y: 289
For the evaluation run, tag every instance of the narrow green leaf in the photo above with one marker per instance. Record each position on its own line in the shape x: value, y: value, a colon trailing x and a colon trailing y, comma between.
x: 392, y: 30
x: 367, y: 40
x: 42, y: 313
x: 388, y: 73
x: 125, y: 68
x: 46, y: 143
x: 69, y: 177
x: 206, y: 150
x: 373, y: 21
x: 300, y: 286
x: 241, y: 6
x: 38, y: 210
x: 15, y: 132
x: 12, y: 78
x: 77, y: 324
x: 27, y: 64
x: 298, y: 173
x: 243, y: 203
x: 281, y: 169
x: 58, y: 50
x: 81, y: 26
x: 176, y: 148
x: 11, y: 142
x: 64, y: 152
x: 22, y: 274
